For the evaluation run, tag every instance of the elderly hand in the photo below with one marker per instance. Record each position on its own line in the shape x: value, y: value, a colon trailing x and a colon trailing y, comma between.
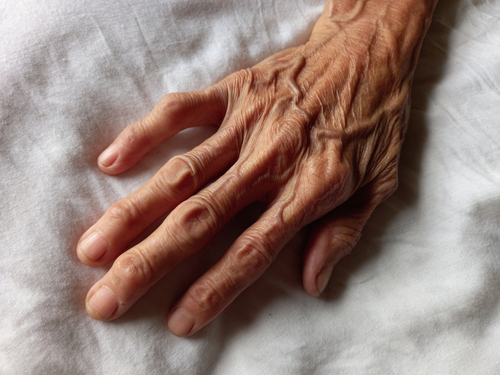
x: 314, y: 132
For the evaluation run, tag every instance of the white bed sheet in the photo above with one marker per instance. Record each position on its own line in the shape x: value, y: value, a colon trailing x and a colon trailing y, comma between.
x: 420, y: 293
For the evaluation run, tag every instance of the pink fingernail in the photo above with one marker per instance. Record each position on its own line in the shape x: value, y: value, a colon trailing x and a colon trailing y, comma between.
x: 93, y: 246
x: 108, y: 156
x: 180, y: 323
x: 103, y: 302
x: 323, y: 278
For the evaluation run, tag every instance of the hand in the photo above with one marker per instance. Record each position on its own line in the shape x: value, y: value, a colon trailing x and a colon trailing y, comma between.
x: 314, y: 132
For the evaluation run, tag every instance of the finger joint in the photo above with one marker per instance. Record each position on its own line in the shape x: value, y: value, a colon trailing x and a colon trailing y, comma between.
x: 124, y: 213
x: 172, y: 105
x: 183, y: 174
x: 133, y: 270
x: 252, y: 257
x: 195, y: 221
x: 207, y: 297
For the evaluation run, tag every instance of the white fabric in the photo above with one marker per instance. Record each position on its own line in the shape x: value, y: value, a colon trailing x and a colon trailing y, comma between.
x: 420, y: 293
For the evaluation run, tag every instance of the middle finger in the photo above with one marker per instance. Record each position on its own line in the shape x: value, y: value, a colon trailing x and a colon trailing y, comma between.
x: 180, y: 178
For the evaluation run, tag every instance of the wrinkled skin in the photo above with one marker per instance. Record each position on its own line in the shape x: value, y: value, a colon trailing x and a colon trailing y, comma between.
x: 314, y: 132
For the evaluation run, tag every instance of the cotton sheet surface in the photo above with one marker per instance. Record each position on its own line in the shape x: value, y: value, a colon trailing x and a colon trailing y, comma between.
x: 419, y: 294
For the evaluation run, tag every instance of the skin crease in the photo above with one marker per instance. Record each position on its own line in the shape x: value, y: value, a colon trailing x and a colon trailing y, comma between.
x: 314, y: 132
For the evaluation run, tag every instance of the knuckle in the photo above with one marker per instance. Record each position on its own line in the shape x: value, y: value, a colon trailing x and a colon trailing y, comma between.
x: 329, y: 179
x: 290, y: 135
x: 183, y: 174
x: 195, y: 221
x: 343, y: 241
x: 124, y: 212
x: 235, y: 82
x: 252, y: 257
x: 139, y: 132
x: 350, y: 235
x: 206, y: 297
x: 243, y: 76
x: 287, y: 138
x: 132, y: 270
x: 285, y: 150
x: 172, y: 104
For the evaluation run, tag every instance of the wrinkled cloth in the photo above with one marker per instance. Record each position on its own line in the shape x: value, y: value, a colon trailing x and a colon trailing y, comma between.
x: 418, y: 295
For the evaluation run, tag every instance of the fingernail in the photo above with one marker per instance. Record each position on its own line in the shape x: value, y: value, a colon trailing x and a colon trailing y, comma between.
x: 108, y: 156
x: 94, y: 246
x: 104, y: 302
x: 323, y: 278
x: 180, y: 324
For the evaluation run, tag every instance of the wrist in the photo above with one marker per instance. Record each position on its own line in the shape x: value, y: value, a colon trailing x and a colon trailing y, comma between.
x: 397, y: 16
x: 394, y: 28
